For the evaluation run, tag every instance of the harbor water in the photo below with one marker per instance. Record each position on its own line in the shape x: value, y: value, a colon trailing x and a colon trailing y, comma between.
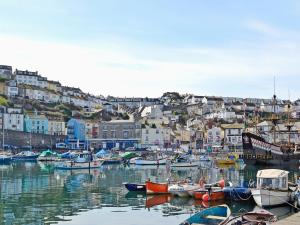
x: 37, y: 193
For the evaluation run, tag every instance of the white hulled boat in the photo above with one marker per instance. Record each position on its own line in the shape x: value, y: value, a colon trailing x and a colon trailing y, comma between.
x: 185, y: 161
x: 272, y: 188
x: 83, y: 161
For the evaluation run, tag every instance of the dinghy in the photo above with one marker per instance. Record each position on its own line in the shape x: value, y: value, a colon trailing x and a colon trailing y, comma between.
x: 218, y: 215
x: 135, y: 187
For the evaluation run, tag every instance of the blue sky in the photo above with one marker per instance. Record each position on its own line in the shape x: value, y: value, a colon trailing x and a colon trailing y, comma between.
x: 145, y: 48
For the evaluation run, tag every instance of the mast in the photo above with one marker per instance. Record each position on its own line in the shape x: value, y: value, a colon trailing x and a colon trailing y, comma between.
x: 274, y: 117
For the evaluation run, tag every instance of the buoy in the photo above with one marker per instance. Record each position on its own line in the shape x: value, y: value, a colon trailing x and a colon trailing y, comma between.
x: 205, y: 197
x: 222, y: 183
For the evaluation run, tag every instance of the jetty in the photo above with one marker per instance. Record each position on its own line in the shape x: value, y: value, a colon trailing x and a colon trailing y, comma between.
x: 291, y: 220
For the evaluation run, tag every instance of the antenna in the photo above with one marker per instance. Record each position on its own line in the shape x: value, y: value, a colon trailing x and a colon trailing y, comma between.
x: 274, y: 87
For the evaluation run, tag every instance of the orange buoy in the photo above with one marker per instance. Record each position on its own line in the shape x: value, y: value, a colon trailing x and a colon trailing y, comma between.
x: 205, y: 197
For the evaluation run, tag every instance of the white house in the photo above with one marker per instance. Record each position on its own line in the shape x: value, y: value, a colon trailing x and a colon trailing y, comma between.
x: 160, y: 136
x: 233, y: 135
x: 30, y: 78
x: 214, y: 136
x: 14, y: 119
x: 56, y: 127
x: 12, y: 89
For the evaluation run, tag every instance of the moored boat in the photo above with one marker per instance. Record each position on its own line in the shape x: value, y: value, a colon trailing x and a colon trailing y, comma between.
x: 48, y: 155
x: 83, y: 161
x: 237, y: 193
x: 256, y: 217
x: 273, y: 188
x: 217, y: 215
x: 159, y: 161
x: 183, y: 190
x: 5, y: 159
x: 25, y: 156
x: 156, y: 188
x: 135, y: 187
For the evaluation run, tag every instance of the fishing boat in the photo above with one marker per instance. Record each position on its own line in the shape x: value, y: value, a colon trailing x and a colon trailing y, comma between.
x: 273, y: 188
x: 159, y: 161
x: 25, y: 156
x: 135, y: 187
x: 185, y: 161
x: 218, y: 215
x: 83, y: 161
x: 5, y: 159
x: 156, y: 188
x: 255, y: 217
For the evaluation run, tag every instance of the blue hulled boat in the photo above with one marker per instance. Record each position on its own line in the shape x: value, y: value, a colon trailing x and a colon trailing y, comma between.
x: 237, y: 193
x: 135, y: 187
x: 213, y: 216
x: 5, y: 159
x: 25, y: 156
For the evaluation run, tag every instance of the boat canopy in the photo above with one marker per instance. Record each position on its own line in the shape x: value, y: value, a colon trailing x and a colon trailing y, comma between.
x: 272, y: 173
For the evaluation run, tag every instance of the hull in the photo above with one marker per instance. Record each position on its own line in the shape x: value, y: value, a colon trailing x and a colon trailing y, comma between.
x: 25, y: 158
x: 214, y: 215
x: 135, y: 187
x: 185, y: 164
x: 150, y: 162
x: 265, y: 198
x: 70, y: 165
x: 47, y: 158
x: 199, y: 194
x: 258, y: 151
x: 237, y: 193
x: 183, y: 190
x: 213, y: 196
x: 5, y: 159
x: 156, y: 188
x: 226, y: 161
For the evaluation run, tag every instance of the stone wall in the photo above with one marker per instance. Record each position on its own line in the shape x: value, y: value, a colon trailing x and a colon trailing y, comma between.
x: 18, y: 138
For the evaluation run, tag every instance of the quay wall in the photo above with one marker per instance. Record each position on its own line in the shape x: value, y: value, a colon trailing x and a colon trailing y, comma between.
x: 38, y: 141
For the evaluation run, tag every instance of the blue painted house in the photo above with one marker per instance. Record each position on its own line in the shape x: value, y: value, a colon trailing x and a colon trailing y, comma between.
x: 36, y: 124
x: 76, y: 134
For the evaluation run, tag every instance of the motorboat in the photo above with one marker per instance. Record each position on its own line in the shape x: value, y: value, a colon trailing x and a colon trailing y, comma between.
x: 273, y: 188
x: 158, y: 161
x: 48, y: 155
x: 135, y: 187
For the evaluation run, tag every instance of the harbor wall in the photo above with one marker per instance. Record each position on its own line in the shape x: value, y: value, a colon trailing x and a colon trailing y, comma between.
x: 37, y: 141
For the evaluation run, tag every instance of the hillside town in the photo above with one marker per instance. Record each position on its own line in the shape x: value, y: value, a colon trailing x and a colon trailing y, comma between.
x: 42, y: 113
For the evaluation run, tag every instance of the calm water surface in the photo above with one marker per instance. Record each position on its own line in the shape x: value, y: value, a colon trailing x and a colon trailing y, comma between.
x: 37, y: 193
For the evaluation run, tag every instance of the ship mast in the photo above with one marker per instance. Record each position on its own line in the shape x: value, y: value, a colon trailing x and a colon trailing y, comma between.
x: 289, y: 125
x: 274, y: 117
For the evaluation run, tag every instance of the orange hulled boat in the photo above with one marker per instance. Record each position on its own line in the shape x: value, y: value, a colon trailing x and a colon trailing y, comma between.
x: 156, y: 188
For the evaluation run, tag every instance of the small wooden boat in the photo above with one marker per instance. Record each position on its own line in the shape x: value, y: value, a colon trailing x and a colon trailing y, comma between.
x: 218, y: 215
x: 273, y: 188
x: 156, y: 188
x: 256, y: 217
x: 213, y: 195
x: 135, y: 187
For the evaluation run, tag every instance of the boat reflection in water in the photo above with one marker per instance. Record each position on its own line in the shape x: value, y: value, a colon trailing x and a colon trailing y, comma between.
x: 83, y: 196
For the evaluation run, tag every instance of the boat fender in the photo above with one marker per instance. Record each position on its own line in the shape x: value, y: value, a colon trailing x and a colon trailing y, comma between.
x: 205, y: 197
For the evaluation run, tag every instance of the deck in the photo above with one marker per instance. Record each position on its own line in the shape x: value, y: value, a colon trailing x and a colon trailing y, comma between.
x: 291, y: 220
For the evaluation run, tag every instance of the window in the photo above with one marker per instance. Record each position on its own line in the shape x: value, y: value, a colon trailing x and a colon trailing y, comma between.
x: 125, y: 134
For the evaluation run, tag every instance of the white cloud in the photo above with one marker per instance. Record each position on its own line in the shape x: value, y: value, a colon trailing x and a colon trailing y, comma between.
x: 126, y: 73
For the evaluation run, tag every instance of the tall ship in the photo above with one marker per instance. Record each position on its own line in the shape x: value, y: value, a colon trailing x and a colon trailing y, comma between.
x: 257, y: 149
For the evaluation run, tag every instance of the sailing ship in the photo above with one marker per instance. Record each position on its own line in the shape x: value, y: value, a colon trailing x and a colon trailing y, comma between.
x: 258, y: 150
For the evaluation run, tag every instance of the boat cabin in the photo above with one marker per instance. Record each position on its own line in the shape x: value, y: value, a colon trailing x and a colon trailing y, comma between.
x: 272, y: 179
x: 84, y: 157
